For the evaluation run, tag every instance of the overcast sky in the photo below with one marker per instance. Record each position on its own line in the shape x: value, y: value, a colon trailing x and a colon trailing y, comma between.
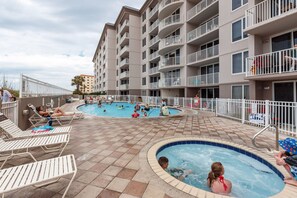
x: 53, y: 40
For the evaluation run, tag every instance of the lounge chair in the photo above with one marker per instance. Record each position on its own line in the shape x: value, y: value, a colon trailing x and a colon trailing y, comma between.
x: 36, y: 119
x: 8, y: 149
x: 12, y: 131
x: 41, y: 172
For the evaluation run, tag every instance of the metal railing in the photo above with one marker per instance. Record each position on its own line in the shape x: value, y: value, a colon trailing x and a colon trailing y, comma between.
x: 207, y: 79
x: 153, y: 70
x: 266, y: 146
x: 171, y: 82
x: 125, y: 36
x: 124, y: 62
x: 31, y: 87
x: 154, y: 55
x: 154, y: 10
x: 267, y: 10
x: 124, y: 74
x: 154, y: 25
x: 199, y: 8
x: 170, y: 20
x: 124, y: 86
x: 10, y: 110
x: 166, y: 2
x: 170, y: 61
x: 154, y: 40
x: 284, y: 61
x: 172, y: 40
x: 204, y: 29
x: 154, y: 85
x: 203, y: 54
x: 125, y: 23
x: 124, y: 49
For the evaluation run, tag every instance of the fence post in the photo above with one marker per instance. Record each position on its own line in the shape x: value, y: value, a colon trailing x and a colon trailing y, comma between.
x: 183, y: 102
x: 16, y: 107
x: 216, y: 107
x: 191, y: 103
x: 266, y: 113
x: 243, y: 111
x: 211, y: 106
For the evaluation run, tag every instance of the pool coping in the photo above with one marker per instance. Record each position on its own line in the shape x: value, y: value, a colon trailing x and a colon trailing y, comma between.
x: 288, y: 191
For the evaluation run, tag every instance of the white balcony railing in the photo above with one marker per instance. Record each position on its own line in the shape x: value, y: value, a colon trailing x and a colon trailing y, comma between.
x: 154, y: 10
x: 171, y: 82
x: 170, y: 20
x: 124, y: 74
x: 126, y: 35
x: 203, y: 54
x: 167, y: 2
x: 171, y: 61
x: 284, y: 61
x: 124, y: 62
x: 199, y: 8
x: 154, y: 85
x: 207, y: 79
x: 124, y: 86
x: 172, y: 40
x: 154, y: 55
x: 154, y: 25
x: 154, y: 40
x: 124, y: 49
x: 153, y: 70
x: 204, y: 29
x: 268, y: 9
x: 125, y: 23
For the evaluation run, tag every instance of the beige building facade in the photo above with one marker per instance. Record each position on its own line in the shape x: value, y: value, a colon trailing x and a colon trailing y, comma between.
x: 213, y: 48
x: 88, y: 84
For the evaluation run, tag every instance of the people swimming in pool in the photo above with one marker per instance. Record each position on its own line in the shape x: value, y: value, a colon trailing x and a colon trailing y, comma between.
x: 137, y: 107
x: 178, y: 173
x: 216, y: 181
x: 104, y: 110
x: 146, y: 107
x: 135, y: 114
x: 121, y: 107
x: 165, y: 111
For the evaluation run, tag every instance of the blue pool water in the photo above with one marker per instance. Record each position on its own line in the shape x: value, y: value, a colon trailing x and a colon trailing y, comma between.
x: 114, y: 111
x: 249, y: 177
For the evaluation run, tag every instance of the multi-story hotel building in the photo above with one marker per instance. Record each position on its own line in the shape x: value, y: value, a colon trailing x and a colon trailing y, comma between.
x: 214, y: 48
x: 88, y: 84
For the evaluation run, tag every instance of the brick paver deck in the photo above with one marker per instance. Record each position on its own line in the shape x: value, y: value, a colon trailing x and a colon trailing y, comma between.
x: 111, y: 154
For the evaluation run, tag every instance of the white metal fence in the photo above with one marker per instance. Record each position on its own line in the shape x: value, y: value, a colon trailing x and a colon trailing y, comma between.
x: 10, y: 110
x: 31, y: 87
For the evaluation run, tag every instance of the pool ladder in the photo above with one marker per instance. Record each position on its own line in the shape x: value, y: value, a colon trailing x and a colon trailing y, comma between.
x: 276, y: 138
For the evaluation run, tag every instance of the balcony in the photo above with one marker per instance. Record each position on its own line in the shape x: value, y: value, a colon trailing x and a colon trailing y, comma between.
x: 205, y: 32
x: 154, y: 85
x: 124, y: 62
x: 124, y: 40
x: 267, y: 18
x: 124, y: 27
x: 154, y: 41
x: 124, y: 74
x: 205, y: 56
x: 170, y: 63
x: 170, y: 43
x: 169, y: 24
x: 153, y: 29
x: 274, y: 65
x: 171, y: 82
x: 203, y: 11
x: 154, y: 56
x: 154, y: 70
x: 154, y: 12
x: 204, y: 80
x: 166, y: 7
x: 124, y: 51
x: 124, y: 86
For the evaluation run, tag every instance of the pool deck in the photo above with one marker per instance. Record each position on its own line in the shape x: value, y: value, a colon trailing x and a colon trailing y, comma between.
x: 111, y: 154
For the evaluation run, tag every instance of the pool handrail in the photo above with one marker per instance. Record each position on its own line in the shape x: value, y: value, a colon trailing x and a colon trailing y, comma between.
x: 261, y: 131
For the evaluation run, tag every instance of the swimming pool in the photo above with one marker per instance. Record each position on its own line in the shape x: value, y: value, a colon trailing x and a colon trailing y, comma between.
x: 115, y: 110
x: 249, y: 176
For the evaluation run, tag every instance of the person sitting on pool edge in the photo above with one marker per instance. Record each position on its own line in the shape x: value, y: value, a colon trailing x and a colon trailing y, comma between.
x: 216, y: 181
x: 135, y: 114
x: 178, y: 173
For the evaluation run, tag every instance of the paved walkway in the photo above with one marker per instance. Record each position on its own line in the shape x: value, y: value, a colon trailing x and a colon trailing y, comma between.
x: 111, y: 154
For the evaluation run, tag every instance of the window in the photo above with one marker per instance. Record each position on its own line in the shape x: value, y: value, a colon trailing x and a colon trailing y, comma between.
x: 144, y: 55
x: 143, y: 81
x: 143, y: 16
x: 238, y: 3
x: 143, y: 29
x: 238, y: 62
x: 240, y: 92
x: 284, y: 41
x: 143, y: 42
x: 144, y: 68
x: 237, y: 30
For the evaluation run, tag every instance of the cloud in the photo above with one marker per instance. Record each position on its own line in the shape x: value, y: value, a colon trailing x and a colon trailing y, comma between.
x: 53, y: 40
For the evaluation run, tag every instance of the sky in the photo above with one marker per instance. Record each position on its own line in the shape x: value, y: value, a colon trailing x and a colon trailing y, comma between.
x: 53, y: 40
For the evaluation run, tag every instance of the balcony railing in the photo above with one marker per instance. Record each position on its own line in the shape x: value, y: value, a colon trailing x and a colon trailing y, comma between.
x: 124, y: 74
x: 124, y: 62
x: 172, y: 40
x: 207, y: 79
x: 199, y: 8
x: 154, y: 85
x: 154, y: 40
x: 153, y: 70
x: 203, y: 54
x: 204, y: 29
x: 170, y: 20
x: 126, y: 35
x: 171, y: 82
x: 166, y: 2
x: 126, y: 48
x: 284, y: 61
x: 267, y: 10
x: 171, y: 61
x: 124, y: 86
x: 154, y: 10
x: 126, y: 22
x: 154, y: 25
x: 154, y: 55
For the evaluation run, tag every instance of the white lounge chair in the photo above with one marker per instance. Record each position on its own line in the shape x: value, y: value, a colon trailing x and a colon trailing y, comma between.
x: 41, y: 172
x: 12, y: 131
x: 8, y: 149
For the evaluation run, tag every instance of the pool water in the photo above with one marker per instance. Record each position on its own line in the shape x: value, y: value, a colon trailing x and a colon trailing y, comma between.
x: 249, y: 177
x: 114, y: 110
